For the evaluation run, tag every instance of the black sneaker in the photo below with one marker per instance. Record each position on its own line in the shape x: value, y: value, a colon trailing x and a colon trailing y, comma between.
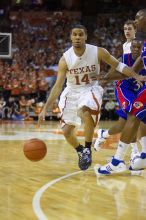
x: 85, y: 159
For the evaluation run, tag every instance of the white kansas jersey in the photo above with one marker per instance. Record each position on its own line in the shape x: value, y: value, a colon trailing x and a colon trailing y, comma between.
x: 126, y: 47
x: 82, y: 70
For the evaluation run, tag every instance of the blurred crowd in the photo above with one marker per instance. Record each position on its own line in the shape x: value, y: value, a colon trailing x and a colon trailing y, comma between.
x: 38, y: 41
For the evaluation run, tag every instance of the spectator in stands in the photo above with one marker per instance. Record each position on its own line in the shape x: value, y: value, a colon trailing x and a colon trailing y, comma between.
x: 2, y: 104
x: 110, y: 108
x: 43, y: 86
x: 9, y: 108
x: 38, y: 43
x: 25, y: 106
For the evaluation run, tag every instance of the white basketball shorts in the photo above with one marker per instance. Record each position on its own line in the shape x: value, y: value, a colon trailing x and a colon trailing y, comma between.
x: 72, y: 99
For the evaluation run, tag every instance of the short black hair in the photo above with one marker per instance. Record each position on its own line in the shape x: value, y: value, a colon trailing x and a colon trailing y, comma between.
x: 137, y: 40
x: 143, y: 11
x: 79, y: 26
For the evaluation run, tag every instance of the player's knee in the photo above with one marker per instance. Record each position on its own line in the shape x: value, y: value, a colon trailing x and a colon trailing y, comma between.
x: 119, y: 129
x: 86, y: 115
x: 132, y: 121
x: 84, y: 112
x: 67, y: 131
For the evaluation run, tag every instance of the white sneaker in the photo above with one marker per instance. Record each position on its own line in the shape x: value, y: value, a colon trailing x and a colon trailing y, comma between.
x: 115, y: 166
x: 134, y: 155
x: 139, y: 163
x: 100, y: 140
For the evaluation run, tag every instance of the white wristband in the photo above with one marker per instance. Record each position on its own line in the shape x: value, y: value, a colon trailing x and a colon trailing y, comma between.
x: 120, y: 67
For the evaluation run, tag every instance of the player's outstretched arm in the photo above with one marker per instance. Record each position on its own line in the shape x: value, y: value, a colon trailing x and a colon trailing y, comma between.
x: 106, y: 57
x: 138, y: 65
x: 56, y: 90
x: 114, y: 75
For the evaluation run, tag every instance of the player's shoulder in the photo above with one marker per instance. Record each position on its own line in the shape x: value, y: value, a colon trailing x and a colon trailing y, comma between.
x: 126, y: 47
x: 127, y: 43
x: 62, y: 61
x: 124, y: 43
x: 91, y: 47
x: 70, y: 50
x: 102, y: 50
x: 62, y: 65
x: 91, y: 50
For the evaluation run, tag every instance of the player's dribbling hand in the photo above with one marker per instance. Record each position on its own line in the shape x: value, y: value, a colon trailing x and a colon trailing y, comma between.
x: 102, y: 80
x: 41, y: 117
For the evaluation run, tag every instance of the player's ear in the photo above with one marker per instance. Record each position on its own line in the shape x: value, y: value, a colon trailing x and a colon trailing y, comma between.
x: 71, y: 36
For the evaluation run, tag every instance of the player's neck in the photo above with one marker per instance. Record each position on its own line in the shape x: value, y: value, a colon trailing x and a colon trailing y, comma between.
x: 128, y: 40
x: 79, y: 51
x: 141, y: 35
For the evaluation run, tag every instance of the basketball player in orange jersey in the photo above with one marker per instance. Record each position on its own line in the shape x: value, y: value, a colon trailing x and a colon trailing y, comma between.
x: 82, y: 96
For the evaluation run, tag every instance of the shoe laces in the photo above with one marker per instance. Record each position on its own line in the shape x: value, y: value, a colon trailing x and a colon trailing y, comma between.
x: 87, y: 151
x: 87, y: 154
x: 80, y: 155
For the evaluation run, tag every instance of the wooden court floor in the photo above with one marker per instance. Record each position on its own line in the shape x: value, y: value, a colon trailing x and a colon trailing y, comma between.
x: 55, y: 188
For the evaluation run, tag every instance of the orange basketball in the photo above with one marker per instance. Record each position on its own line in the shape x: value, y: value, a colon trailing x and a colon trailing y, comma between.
x: 35, y: 149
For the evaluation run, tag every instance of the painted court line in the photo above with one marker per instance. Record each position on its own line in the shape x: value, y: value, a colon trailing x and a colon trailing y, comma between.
x: 36, y: 199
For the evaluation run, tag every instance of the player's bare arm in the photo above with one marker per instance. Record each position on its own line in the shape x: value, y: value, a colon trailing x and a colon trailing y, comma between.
x: 57, y: 88
x: 114, y: 75
x: 106, y: 57
x: 138, y: 65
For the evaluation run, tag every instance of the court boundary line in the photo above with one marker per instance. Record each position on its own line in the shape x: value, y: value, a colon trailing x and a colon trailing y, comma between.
x: 37, y: 197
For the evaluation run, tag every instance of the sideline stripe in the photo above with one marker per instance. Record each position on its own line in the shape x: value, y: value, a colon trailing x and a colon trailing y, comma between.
x: 36, y: 199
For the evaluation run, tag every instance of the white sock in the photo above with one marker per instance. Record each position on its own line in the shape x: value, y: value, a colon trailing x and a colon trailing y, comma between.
x: 121, y: 150
x: 143, y: 143
x: 105, y: 134
x: 134, y: 147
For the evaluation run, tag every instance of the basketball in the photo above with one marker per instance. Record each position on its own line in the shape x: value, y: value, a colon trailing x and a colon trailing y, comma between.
x: 34, y: 149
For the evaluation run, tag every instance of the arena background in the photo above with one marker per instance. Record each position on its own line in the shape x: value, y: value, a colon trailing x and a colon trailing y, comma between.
x: 39, y: 37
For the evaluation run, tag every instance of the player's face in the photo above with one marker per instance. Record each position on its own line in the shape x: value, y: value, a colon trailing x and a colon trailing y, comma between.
x: 140, y: 21
x: 136, y: 47
x: 129, y: 31
x: 78, y: 37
